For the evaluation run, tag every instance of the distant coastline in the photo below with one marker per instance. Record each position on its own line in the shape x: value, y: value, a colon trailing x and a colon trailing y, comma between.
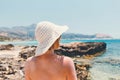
x: 27, y: 33
x: 64, y: 36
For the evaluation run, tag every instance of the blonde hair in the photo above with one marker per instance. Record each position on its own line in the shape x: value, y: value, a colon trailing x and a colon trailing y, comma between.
x: 55, y: 44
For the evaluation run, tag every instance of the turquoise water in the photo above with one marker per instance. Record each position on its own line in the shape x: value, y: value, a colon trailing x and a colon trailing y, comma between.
x: 107, y: 66
x: 62, y: 41
x: 104, y: 67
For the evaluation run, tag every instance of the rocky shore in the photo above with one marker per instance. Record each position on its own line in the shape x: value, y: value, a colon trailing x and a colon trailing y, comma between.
x: 81, y: 49
x: 12, y: 68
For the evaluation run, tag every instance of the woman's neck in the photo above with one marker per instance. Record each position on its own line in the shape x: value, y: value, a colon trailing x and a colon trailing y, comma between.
x: 48, y: 54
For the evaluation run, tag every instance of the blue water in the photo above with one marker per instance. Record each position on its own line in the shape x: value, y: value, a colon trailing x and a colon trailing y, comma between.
x: 107, y: 66
x: 104, y: 67
x: 62, y: 41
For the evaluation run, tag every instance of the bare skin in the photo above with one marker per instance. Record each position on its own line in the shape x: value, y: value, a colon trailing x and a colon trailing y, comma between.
x: 50, y: 67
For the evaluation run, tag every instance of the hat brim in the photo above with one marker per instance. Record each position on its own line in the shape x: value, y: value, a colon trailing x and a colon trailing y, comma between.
x: 42, y: 48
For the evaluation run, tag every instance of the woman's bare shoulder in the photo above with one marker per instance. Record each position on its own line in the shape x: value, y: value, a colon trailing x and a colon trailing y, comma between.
x: 29, y: 60
x: 68, y: 61
x: 70, y: 69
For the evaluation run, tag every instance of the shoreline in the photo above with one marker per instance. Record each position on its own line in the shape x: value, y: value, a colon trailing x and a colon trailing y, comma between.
x: 13, y: 66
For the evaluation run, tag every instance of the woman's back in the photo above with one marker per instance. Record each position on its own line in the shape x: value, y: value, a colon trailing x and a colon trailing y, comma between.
x: 54, y: 68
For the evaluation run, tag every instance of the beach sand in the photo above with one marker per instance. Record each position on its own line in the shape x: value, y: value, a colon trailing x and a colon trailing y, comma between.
x: 9, y: 54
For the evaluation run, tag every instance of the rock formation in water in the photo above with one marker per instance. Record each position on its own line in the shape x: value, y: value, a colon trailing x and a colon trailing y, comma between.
x: 80, y: 49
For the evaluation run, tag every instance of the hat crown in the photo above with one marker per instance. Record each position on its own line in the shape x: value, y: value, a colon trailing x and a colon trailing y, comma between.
x: 46, y: 34
x: 44, y: 31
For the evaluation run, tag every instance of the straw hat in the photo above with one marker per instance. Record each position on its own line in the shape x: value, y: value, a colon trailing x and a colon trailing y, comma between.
x: 46, y: 34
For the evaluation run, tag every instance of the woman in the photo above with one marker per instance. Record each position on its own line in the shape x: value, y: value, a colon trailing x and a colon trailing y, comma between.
x: 46, y: 65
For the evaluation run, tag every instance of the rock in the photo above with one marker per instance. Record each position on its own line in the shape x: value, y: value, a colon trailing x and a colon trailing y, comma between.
x: 6, y: 47
x: 27, y: 52
x: 2, y: 68
x: 80, y: 49
x: 10, y: 68
x: 82, y: 71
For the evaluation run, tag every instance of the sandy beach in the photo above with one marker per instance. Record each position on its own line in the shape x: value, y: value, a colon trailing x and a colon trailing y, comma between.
x: 9, y: 54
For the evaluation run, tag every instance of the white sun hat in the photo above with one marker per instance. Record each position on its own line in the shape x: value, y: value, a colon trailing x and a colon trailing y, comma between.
x: 46, y: 33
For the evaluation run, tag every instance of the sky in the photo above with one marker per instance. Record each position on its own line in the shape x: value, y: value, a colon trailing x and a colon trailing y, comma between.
x: 81, y: 16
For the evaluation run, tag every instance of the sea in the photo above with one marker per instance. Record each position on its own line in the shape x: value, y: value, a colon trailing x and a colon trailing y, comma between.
x: 104, y: 67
